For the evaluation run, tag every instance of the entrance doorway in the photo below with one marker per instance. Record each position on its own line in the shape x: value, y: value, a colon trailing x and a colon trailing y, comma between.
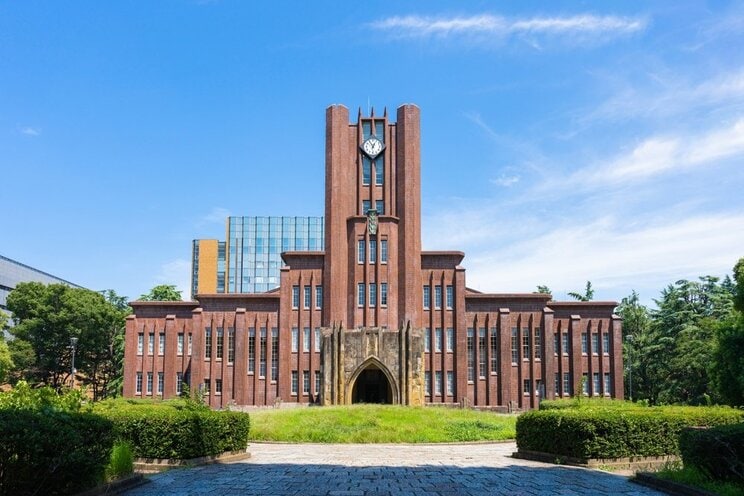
x: 372, y: 386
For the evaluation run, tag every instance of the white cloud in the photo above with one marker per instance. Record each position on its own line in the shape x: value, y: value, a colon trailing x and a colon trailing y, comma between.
x: 506, y: 180
x: 414, y: 26
x: 30, y: 131
x: 217, y: 215
x: 177, y: 272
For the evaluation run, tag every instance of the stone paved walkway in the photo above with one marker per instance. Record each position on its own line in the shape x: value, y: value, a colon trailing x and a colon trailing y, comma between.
x: 387, y: 470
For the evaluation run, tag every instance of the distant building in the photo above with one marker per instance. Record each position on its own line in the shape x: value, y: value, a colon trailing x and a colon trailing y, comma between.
x: 366, y: 316
x: 250, y: 260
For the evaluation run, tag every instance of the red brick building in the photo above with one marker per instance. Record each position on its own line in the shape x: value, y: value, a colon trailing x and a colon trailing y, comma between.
x: 374, y: 318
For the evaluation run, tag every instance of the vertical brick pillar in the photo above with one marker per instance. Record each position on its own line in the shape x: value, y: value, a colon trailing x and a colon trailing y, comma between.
x: 577, y: 369
x: 130, y: 352
x: 549, y: 361
x: 505, y: 363
x: 616, y: 356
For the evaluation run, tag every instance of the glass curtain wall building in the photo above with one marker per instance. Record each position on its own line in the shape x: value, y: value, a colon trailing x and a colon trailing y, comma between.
x: 249, y: 260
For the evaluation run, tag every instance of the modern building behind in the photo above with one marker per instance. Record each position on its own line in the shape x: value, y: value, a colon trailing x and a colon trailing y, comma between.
x: 249, y: 261
x: 366, y: 315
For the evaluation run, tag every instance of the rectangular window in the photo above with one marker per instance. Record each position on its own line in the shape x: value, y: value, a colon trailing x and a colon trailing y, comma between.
x: 207, y: 386
x: 437, y: 297
x: 494, y: 350
x: 427, y: 297
x: 295, y: 296
x: 161, y: 382
x: 525, y: 343
x: 372, y: 294
x: 538, y: 344
x: 482, y: 357
x: 305, y: 382
x: 179, y: 383
x: 566, y: 384
x: 140, y: 343
x: 595, y: 383
x: 318, y: 297
x: 365, y: 207
x: 295, y: 382
x: 450, y: 297
x: 556, y: 343
x: 151, y: 344
x: 306, y: 339
x: 584, y: 344
x: 274, y: 354
x: 595, y: 343
x: 366, y: 169
x: 427, y: 339
x: 471, y: 354
x: 383, y: 251
x: 360, y: 294
x: 161, y: 343
x: 262, y: 353
x: 218, y: 386
x: 379, y: 170
x: 317, y: 382
x: 306, y: 294
x: 190, y: 344
x: 372, y: 249
x: 317, y: 339
x: 207, y: 343
x: 220, y: 342
x: 606, y: 343
x: 438, y: 382
x: 527, y: 386
x: 438, y: 339
x: 295, y: 339
x: 149, y: 383
x: 557, y: 384
x: 360, y: 251
x: 138, y: 384
x: 231, y: 344
x: 251, y: 350
x: 450, y: 383
x: 515, y: 345
x: 607, y: 384
x: 564, y: 344
x: 450, y: 339
x: 427, y: 383
x: 380, y: 206
x: 383, y: 294
x: 179, y: 344
x: 585, y: 384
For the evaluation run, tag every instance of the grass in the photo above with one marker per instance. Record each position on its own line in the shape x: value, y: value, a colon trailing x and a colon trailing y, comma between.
x: 121, y: 462
x: 693, y: 477
x: 380, y: 424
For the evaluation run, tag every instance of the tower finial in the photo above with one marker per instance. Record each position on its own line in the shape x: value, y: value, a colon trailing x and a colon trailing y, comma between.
x: 385, y: 112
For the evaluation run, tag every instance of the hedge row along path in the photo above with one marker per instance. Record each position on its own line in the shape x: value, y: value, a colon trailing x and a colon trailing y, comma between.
x: 386, y: 470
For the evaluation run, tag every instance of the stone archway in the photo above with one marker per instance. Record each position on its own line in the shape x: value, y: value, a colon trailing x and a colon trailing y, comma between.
x: 372, y: 383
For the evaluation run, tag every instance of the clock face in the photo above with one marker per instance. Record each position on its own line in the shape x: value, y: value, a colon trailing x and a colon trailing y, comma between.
x: 372, y: 147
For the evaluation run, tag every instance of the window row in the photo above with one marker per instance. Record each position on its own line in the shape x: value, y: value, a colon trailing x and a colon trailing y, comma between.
x: 306, y: 297
x: 362, y: 251
x: 218, y: 346
x: 305, y: 382
x: 262, y: 352
x: 438, y: 383
x: 379, y: 166
x: 488, y: 352
x: 305, y: 339
x: 375, y: 290
x: 161, y: 343
x: 180, y: 379
x: 531, y: 344
x: 379, y: 206
x: 450, y: 297
x: 595, y: 350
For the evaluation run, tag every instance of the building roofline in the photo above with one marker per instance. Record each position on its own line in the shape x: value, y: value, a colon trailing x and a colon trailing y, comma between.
x: 591, y: 303
x: 270, y: 295
x: 508, y: 296
x: 41, y: 272
x: 140, y: 303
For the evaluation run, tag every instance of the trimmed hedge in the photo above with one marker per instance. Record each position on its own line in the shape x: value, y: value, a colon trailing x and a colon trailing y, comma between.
x: 588, y: 402
x: 156, y: 431
x: 616, y: 432
x: 717, y: 452
x: 52, y: 452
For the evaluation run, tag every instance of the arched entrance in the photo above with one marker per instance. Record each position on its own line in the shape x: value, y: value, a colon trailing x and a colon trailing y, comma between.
x: 372, y: 386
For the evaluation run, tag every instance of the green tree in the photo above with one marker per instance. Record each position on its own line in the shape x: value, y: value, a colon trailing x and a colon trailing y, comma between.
x: 115, y: 365
x: 727, y: 369
x: 24, y: 359
x: 636, y: 325
x: 163, y: 292
x: 6, y: 361
x: 588, y: 293
x: 544, y: 290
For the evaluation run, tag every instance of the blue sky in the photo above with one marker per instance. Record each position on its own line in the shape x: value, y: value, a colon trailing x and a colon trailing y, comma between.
x: 561, y: 141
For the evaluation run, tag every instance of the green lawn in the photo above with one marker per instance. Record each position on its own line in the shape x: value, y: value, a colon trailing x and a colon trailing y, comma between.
x: 380, y: 424
x: 692, y: 477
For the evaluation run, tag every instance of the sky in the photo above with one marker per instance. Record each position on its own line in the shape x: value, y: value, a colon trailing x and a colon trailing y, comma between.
x: 561, y: 141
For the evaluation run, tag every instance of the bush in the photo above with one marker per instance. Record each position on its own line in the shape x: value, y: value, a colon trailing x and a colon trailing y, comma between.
x: 615, y: 432
x: 717, y: 452
x: 52, y: 452
x: 121, y: 462
x: 577, y: 402
x: 23, y: 396
x: 176, y: 430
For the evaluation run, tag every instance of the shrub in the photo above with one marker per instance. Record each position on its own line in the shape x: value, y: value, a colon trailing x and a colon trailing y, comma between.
x: 717, y: 452
x: 52, y: 452
x: 23, y: 396
x: 615, y: 432
x: 172, y: 430
x: 577, y: 402
x: 121, y: 462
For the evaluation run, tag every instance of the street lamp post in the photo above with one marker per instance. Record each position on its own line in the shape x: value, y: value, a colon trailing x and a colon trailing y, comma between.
x: 629, y: 339
x: 73, y: 344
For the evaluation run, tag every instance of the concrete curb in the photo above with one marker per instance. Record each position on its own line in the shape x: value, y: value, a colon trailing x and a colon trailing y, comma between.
x: 632, y: 463
x: 155, y: 465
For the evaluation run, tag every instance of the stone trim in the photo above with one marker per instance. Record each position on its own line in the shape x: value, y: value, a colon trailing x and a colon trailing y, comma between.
x: 630, y: 463
x: 154, y: 465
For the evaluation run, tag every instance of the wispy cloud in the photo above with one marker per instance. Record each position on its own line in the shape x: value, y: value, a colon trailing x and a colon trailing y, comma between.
x: 29, y: 131
x: 489, y: 25
x: 215, y: 216
x: 177, y: 272
x: 506, y: 180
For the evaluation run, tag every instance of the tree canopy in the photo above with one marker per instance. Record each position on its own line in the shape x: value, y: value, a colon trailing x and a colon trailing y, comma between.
x: 163, y: 292
x: 588, y: 294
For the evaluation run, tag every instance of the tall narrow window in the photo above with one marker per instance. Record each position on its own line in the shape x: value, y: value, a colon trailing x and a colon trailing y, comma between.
x: 140, y: 343
x: 251, y: 350
x: 527, y: 386
x: 161, y: 343
x: 365, y: 207
x: 427, y: 340
x: 372, y: 294
x: 318, y: 297
x: 427, y: 383
x: 494, y: 350
x: 607, y: 384
x: 179, y: 383
x: 372, y: 249
x: 379, y: 170
x: 515, y: 345
x: 450, y: 297
x: 149, y: 383
x: 383, y: 251
x: 584, y: 344
x: 450, y: 383
x: 295, y: 339
x: 208, y: 343
x: 295, y: 382
x: 305, y: 382
x: 557, y: 384
x: 151, y: 344
x: 526, y: 342
x: 566, y: 384
x: 564, y: 343
x: 438, y: 382
x: 383, y: 294
x: 138, y: 383
x: 161, y: 381
x: 230, y: 344
x: 218, y: 386
x: 595, y: 383
x: 220, y: 342
x: 360, y: 294
x: 317, y: 339
x: 317, y: 382
x: 380, y: 207
x: 450, y: 339
x: 427, y: 297
x: 437, y: 297
x: 366, y: 169
x: 606, y: 343
x: 360, y: 251
x: 595, y: 343
x: 585, y: 383
x: 262, y: 353
x: 295, y: 296
x: 471, y: 354
x: 306, y: 294
x: 191, y: 341
x: 306, y: 339
x: 438, y: 339
x: 538, y: 344
x: 274, y: 354
x: 179, y: 344
x: 482, y: 364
